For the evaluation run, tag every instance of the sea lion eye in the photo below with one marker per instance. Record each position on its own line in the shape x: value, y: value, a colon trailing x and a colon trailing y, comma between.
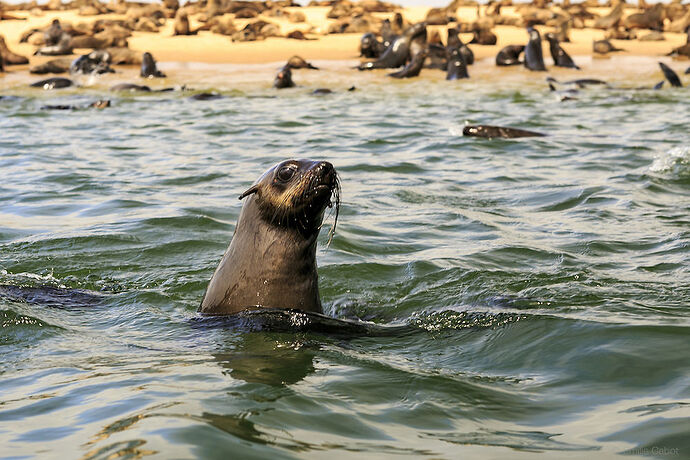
x: 286, y: 172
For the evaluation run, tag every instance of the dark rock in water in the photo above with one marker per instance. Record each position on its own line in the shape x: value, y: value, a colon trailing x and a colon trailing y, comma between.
x: 206, y: 97
x: 491, y: 132
x: 321, y: 91
x: 670, y: 75
x: 53, y: 83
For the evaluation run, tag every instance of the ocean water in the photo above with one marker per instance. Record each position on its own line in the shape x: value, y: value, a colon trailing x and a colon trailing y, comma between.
x: 541, y: 285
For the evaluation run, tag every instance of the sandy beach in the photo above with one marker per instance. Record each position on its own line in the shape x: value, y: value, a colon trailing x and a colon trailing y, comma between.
x: 207, y: 47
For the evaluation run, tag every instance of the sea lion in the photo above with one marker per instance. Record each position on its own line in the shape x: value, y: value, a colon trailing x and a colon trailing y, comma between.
x: 611, y: 19
x: 94, y: 63
x: 271, y: 260
x: 284, y: 79
x: 604, y: 47
x: 457, y: 67
x: 483, y: 36
x: 149, y: 68
x: 62, y: 48
x: 297, y: 62
x: 60, y: 65
x: 534, y: 59
x: 437, y: 57
x: 491, y: 132
x: 181, y: 26
x: 54, y: 33
x: 130, y: 87
x: 8, y: 56
x: 413, y: 67
x: 580, y: 82
x: 370, y: 47
x: 670, y: 75
x: 206, y: 97
x: 510, y: 55
x: 560, y: 57
x: 687, y: 71
x: 652, y: 19
x: 53, y: 83
x: 99, y: 104
x: 454, y: 41
x: 397, y: 53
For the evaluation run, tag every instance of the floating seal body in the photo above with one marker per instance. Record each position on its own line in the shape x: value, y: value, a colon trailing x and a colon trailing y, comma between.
x: 501, y: 132
x: 457, y: 67
x: 271, y: 260
x: 670, y: 75
x: 413, y: 68
x: 53, y: 83
x: 397, y: 53
x: 509, y: 55
x: 130, y: 87
x: 99, y: 104
x: 580, y: 82
x: 206, y: 97
x: 148, y: 67
x: 534, y: 58
x: 560, y: 57
x: 284, y: 79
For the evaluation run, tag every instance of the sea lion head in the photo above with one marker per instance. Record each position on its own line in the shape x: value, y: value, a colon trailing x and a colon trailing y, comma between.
x: 294, y: 194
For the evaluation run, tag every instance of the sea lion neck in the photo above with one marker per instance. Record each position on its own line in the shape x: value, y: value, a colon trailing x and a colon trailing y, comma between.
x: 265, y: 266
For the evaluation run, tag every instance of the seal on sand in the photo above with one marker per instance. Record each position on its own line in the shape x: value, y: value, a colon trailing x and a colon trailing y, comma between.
x: 560, y: 57
x: 271, y: 260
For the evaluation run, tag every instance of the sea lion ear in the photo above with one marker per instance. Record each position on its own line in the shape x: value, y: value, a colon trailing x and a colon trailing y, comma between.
x: 249, y: 191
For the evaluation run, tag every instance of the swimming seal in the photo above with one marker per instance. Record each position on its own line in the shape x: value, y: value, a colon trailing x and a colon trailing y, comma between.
x: 534, y: 58
x: 670, y: 75
x: 509, y: 55
x: 457, y: 67
x: 53, y: 83
x: 560, y: 57
x: 271, y: 260
x: 501, y: 132
x: 284, y: 78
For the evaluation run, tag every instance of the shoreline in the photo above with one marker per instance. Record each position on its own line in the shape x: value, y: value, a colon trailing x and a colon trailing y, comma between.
x: 207, y: 47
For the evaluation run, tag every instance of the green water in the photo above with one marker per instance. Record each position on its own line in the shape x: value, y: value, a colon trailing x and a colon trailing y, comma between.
x: 545, y: 280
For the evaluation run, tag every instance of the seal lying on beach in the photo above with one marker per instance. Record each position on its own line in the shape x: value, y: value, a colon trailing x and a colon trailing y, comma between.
x: 271, y: 260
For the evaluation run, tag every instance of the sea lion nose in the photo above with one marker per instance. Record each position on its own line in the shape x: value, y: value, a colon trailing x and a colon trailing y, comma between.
x: 326, y: 171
